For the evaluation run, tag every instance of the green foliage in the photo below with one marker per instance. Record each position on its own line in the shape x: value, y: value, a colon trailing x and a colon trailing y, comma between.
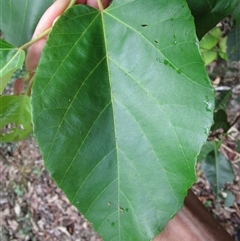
x: 12, y: 59
x: 233, y: 40
x: 220, y: 121
x: 208, y: 147
x: 233, y: 44
x: 121, y: 106
x: 218, y: 170
x: 222, y: 100
x: 212, y: 46
x: 223, y: 48
x: 228, y: 198
x: 236, y: 13
x: 210, y: 40
x: 220, y: 116
x: 16, y: 111
x: 112, y: 103
x: 215, y: 166
x: 19, y: 19
x: 208, y: 13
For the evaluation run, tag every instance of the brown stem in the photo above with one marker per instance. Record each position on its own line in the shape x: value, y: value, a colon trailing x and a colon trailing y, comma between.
x: 30, y: 83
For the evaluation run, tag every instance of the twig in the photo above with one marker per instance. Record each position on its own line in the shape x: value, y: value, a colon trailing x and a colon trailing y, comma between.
x: 46, y: 32
x: 100, y: 5
x: 236, y: 120
x: 230, y: 150
x: 223, y: 88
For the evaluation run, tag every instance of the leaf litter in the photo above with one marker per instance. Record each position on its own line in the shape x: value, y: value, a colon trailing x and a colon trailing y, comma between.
x: 31, y: 206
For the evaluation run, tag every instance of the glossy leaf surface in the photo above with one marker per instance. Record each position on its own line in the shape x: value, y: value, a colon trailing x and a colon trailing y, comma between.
x: 12, y: 59
x: 19, y: 19
x: 121, y: 107
x: 207, y: 13
x: 15, y: 111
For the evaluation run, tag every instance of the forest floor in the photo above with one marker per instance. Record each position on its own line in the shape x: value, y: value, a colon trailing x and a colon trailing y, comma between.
x: 32, y: 208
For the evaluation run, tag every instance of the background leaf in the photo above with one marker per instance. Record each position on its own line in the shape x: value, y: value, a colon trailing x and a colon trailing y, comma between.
x: 218, y: 170
x: 233, y: 44
x: 210, y: 40
x: 207, y: 148
x: 220, y: 121
x: 222, y: 99
x: 223, y: 48
x: 15, y: 110
x: 121, y: 107
x: 236, y: 13
x: 209, y: 56
x: 19, y: 19
x: 229, y: 198
x: 207, y: 13
x: 12, y: 59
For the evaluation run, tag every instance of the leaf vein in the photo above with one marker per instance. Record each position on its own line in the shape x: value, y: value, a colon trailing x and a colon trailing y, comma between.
x: 98, y: 196
x: 89, y: 174
x: 74, y: 158
x: 153, y: 47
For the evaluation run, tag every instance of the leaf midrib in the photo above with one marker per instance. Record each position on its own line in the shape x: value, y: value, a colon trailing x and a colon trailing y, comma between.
x: 114, y: 122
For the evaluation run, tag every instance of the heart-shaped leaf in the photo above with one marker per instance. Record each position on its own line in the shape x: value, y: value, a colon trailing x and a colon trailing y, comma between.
x: 15, y: 111
x: 121, y: 107
x: 12, y: 59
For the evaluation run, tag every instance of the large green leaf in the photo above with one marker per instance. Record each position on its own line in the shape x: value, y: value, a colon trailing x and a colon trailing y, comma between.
x: 12, y: 58
x: 19, y: 18
x: 16, y: 112
x: 121, y: 107
x: 207, y: 13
